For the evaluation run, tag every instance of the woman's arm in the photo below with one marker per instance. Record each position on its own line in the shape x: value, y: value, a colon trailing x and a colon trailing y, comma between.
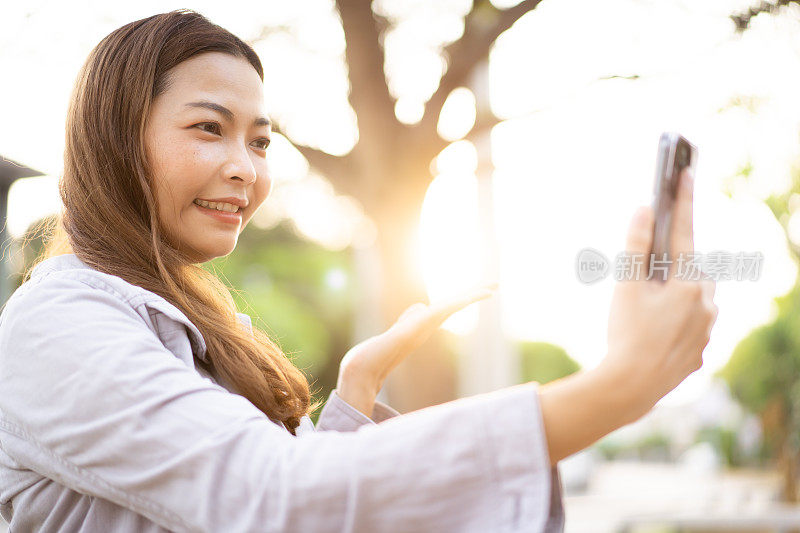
x: 582, y: 408
x: 656, y: 336
x: 90, y: 398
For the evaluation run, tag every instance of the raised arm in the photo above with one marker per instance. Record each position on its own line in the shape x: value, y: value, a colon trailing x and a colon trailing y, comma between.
x: 656, y: 336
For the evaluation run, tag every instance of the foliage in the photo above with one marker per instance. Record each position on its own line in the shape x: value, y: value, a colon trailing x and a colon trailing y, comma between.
x: 726, y: 443
x: 764, y: 369
x: 281, y: 281
x: 544, y: 362
x: 655, y: 446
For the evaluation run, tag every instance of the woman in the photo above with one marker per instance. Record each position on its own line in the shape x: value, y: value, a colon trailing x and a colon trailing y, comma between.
x: 133, y: 396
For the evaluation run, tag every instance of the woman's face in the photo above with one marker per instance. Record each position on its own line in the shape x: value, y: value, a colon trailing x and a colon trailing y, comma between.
x: 206, y: 137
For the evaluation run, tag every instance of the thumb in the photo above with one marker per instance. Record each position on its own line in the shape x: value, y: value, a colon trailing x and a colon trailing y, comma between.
x: 640, y: 235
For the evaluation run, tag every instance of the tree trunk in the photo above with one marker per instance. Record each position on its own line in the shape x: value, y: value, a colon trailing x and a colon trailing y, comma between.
x: 775, y: 421
x: 788, y: 463
x: 427, y: 376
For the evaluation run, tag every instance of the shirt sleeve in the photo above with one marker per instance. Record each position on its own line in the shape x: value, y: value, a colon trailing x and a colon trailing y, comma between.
x: 338, y: 415
x: 555, y: 515
x: 90, y: 398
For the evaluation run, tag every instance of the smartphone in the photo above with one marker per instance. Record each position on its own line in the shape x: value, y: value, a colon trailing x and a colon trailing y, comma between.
x: 675, y: 154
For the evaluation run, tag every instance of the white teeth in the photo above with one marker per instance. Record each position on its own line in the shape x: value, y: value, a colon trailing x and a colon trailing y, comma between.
x: 219, y: 206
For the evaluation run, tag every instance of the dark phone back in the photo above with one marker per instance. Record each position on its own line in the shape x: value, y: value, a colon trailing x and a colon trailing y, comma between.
x: 675, y: 153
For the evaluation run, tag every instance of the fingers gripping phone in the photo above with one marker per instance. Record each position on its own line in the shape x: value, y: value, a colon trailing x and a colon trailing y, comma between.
x: 675, y: 154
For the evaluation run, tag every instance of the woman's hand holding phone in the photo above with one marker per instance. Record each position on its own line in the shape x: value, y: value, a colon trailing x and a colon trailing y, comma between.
x: 657, y: 332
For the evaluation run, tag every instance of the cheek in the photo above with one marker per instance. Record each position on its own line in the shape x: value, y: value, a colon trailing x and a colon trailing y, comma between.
x: 263, y: 188
x: 259, y: 192
x: 263, y: 185
x: 186, y: 168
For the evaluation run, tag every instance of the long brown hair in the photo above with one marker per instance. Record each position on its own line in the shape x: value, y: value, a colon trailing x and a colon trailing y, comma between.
x: 110, y: 220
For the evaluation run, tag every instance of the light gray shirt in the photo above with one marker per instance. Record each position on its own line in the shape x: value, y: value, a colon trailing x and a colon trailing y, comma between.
x: 107, y: 424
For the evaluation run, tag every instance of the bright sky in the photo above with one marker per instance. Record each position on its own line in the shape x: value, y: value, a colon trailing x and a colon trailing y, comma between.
x: 573, y: 160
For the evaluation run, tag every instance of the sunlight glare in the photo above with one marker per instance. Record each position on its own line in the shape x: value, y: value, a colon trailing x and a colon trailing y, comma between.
x: 449, y: 253
x: 458, y: 114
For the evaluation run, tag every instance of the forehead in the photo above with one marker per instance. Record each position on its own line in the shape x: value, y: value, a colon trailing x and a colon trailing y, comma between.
x: 226, y: 79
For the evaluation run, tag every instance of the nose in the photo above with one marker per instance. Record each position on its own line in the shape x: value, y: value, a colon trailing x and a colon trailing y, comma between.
x: 240, y: 166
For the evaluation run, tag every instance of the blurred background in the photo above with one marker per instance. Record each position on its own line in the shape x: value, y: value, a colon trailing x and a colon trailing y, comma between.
x: 424, y: 147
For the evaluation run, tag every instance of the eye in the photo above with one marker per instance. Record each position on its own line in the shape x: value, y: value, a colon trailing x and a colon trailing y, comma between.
x: 263, y: 143
x: 214, y: 125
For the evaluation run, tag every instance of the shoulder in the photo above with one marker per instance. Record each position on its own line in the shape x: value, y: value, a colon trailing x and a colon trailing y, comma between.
x: 54, y: 301
x: 79, y: 281
x: 78, y: 291
x: 73, y: 291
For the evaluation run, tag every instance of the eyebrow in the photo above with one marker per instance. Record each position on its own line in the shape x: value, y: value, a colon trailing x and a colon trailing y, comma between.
x: 227, y: 113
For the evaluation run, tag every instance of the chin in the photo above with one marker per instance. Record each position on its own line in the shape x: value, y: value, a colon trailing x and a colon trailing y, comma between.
x: 218, y: 253
x: 205, y: 254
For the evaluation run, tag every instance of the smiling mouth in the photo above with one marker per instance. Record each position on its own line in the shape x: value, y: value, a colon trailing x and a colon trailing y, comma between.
x: 222, y: 207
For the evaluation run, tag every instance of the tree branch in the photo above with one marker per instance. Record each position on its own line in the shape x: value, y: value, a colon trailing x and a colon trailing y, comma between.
x: 742, y: 20
x: 330, y: 166
x: 267, y: 31
x: 369, y: 92
x: 483, y: 126
x: 323, y: 162
x: 336, y: 169
x: 482, y: 26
